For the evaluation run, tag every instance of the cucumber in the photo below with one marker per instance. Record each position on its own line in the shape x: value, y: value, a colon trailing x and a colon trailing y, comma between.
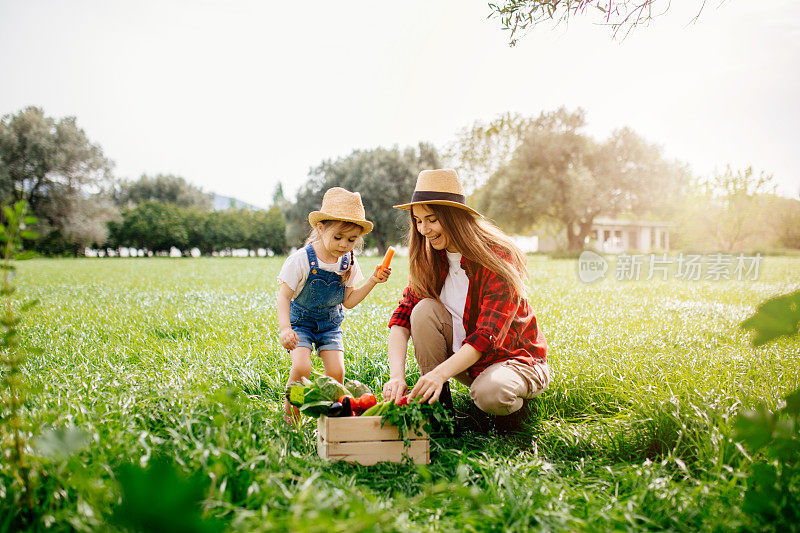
x: 373, y: 410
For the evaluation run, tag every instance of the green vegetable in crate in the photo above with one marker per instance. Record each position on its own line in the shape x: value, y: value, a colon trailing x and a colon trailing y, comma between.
x: 316, y: 409
x: 296, y: 391
x: 329, y: 388
x: 356, y: 388
x: 314, y: 398
x: 377, y: 409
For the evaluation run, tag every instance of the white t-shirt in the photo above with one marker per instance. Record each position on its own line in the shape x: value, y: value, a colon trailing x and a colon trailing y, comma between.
x: 295, y: 270
x: 454, y: 297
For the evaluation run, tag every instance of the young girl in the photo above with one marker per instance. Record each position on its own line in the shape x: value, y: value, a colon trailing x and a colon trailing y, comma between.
x: 465, y: 307
x: 317, y: 280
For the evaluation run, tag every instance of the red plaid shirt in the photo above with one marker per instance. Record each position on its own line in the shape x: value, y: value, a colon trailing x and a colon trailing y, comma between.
x: 499, y: 324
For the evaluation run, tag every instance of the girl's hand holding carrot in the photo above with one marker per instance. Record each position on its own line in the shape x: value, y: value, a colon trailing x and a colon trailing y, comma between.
x: 381, y: 274
x: 383, y: 271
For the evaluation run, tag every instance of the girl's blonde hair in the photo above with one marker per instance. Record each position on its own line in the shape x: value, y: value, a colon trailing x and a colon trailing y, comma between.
x: 338, y: 226
x: 478, y: 240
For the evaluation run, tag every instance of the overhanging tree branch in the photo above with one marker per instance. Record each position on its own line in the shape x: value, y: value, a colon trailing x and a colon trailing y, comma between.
x: 622, y: 16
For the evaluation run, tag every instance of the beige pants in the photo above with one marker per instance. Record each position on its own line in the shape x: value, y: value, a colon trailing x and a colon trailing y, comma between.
x: 498, y: 390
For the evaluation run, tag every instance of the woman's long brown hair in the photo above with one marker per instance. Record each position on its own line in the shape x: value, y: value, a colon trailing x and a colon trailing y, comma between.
x: 477, y: 239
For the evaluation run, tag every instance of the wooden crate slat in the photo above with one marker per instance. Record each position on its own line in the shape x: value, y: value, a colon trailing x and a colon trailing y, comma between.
x: 378, y: 447
x: 369, y: 453
x: 363, y: 440
x: 358, y: 428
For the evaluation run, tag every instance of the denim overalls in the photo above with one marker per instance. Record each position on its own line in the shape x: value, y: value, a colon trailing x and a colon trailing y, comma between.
x: 316, y: 313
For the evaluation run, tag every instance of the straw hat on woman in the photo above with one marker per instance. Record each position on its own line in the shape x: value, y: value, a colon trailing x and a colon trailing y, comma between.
x: 465, y: 307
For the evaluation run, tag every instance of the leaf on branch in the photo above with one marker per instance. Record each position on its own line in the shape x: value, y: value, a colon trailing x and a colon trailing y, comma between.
x: 10, y: 322
x: 10, y: 338
x: 10, y: 215
x: 777, y: 317
x: 60, y: 443
x: 30, y: 235
x: 793, y: 403
x: 29, y: 304
x: 30, y: 219
x: 755, y: 427
x: 23, y: 256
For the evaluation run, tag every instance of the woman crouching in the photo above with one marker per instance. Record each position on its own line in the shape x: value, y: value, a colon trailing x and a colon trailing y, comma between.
x: 465, y: 307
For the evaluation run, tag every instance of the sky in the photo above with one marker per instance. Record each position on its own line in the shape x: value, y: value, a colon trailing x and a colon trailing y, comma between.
x: 239, y: 95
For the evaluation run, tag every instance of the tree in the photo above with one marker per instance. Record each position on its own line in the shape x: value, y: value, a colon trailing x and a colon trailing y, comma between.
x: 558, y: 173
x: 267, y: 230
x: 622, y: 16
x: 153, y: 226
x: 163, y: 188
x: 787, y: 221
x: 52, y: 165
x: 732, y: 211
x: 384, y: 177
x: 481, y: 149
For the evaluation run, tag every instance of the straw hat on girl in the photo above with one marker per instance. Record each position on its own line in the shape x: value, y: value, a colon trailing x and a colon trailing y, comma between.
x: 440, y: 187
x: 341, y: 204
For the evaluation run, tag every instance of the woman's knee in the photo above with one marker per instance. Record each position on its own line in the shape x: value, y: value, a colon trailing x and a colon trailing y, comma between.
x: 423, y: 313
x: 494, y: 398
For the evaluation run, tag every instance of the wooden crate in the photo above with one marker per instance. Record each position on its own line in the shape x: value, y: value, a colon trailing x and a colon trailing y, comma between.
x: 361, y: 439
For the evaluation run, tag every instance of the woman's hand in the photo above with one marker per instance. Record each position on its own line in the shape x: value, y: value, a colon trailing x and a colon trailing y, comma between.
x: 381, y: 274
x: 289, y: 339
x: 428, y: 388
x: 394, y: 389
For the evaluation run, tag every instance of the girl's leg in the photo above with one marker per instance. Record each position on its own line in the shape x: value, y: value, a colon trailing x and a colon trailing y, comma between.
x: 334, y: 363
x: 301, y: 368
x: 301, y: 363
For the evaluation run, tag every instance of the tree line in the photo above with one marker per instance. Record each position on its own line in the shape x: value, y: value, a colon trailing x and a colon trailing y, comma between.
x: 523, y: 172
x: 69, y: 185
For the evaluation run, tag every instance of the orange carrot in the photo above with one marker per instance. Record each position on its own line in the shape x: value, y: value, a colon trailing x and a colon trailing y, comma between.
x: 387, y: 258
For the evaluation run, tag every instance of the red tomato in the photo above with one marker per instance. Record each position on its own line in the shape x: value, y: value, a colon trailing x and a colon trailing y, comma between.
x: 402, y: 401
x: 355, y: 403
x: 365, y: 401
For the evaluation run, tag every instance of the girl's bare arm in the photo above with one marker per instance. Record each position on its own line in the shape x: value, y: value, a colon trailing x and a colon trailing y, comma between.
x: 353, y: 296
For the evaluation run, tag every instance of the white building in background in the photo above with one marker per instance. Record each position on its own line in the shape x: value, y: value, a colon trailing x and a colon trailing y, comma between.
x: 617, y: 236
x: 527, y: 243
x: 611, y: 236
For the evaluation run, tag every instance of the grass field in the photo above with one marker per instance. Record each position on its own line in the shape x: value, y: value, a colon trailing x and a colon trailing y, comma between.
x: 180, y: 358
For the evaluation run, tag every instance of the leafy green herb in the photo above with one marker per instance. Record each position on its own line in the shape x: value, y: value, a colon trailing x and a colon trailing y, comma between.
x: 416, y: 416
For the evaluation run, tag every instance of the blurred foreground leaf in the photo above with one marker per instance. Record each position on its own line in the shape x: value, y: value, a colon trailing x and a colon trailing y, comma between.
x: 777, y: 317
x: 161, y: 498
x: 772, y: 488
x: 60, y: 442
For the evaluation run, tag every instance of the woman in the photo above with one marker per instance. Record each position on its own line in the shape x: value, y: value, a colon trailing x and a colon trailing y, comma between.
x: 464, y: 307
